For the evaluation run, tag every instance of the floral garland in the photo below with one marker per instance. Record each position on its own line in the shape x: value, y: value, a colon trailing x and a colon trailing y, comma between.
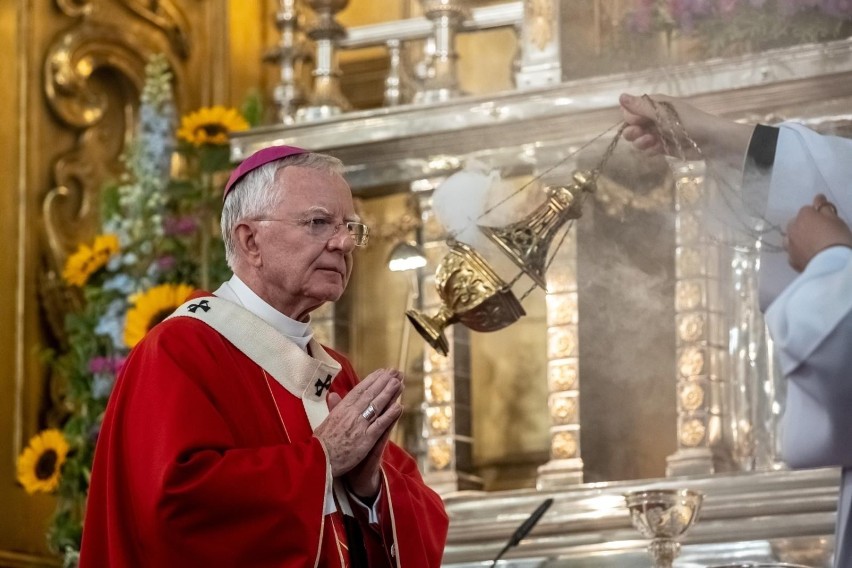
x: 154, y: 249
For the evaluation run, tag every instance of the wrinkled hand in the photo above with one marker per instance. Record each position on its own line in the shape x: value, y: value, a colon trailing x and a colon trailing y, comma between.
x: 365, y: 479
x: 349, y: 438
x: 815, y: 228
x: 716, y: 137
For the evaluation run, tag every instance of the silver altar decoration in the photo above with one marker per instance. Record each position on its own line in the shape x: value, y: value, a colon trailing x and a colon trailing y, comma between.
x: 290, y: 54
x: 540, y: 55
x: 394, y: 36
x: 763, y: 515
x: 700, y: 378
x: 326, y: 99
x: 565, y: 466
x: 441, y: 81
x: 730, y: 394
x: 393, y: 82
x: 758, y: 390
x: 664, y: 516
x: 759, y: 565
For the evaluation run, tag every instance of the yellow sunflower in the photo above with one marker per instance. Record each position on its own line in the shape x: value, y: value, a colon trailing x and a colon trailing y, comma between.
x: 87, y: 260
x: 210, y: 125
x: 151, y: 307
x: 40, y: 464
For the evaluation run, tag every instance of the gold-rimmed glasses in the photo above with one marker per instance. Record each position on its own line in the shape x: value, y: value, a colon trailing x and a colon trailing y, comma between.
x: 323, y: 228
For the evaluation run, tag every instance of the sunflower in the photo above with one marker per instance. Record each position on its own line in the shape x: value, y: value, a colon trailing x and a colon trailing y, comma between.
x: 40, y: 464
x: 87, y: 260
x: 210, y: 125
x: 151, y: 307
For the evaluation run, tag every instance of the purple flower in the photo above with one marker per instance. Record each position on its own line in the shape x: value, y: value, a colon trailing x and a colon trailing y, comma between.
x: 837, y: 8
x: 640, y: 19
x: 686, y: 13
x: 790, y: 7
x: 93, y: 433
x: 106, y: 365
x: 177, y: 226
x: 166, y: 262
x: 98, y: 365
x: 727, y: 7
x: 757, y: 3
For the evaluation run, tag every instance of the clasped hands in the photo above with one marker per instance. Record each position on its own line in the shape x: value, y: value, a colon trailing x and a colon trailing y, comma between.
x: 815, y: 228
x: 355, y: 436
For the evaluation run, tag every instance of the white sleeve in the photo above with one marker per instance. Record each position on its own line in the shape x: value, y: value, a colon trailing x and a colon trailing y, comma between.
x: 811, y: 324
x: 806, y: 163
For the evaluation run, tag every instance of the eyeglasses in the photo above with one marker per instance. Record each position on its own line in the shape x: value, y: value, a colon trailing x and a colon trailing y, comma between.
x: 323, y: 228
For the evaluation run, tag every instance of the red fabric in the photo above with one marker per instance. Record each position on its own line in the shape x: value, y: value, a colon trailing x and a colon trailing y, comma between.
x: 193, y: 468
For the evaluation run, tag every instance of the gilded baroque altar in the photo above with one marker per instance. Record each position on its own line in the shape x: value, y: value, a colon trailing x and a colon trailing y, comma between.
x: 698, y: 410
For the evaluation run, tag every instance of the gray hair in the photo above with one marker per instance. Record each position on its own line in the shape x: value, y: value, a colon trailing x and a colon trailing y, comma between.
x: 257, y: 194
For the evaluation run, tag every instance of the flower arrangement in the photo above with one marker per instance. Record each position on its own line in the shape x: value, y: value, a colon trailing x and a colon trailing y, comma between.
x: 41, y: 462
x: 729, y: 27
x: 155, y: 248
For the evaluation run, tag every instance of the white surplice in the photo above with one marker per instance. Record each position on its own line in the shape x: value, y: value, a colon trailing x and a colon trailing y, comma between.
x: 809, y: 315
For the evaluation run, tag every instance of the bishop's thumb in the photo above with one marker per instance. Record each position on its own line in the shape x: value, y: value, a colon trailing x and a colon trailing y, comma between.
x: 333, y: 400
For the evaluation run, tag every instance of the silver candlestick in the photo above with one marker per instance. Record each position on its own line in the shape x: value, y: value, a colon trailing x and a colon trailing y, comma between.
x: 326, y: 99
x: 441, y: 82
x: 289, y: 55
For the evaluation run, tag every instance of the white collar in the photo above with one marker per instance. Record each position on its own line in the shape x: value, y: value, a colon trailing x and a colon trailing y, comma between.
x: 238, y: 292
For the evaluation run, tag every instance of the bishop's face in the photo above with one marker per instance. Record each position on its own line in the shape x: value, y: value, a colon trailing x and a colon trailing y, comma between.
x: 305, y: 247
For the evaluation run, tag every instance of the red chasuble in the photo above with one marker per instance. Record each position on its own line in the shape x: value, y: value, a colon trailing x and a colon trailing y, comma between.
x: 204, y: 460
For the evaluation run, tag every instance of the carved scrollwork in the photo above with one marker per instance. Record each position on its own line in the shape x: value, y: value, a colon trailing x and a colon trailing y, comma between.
x: 167, y: 17
x: 93, y: 73
x: 74, y: 8
x: 71, y: 63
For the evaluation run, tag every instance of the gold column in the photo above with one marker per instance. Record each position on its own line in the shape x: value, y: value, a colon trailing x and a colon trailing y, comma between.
x: 699, y: 356
x: 74, y: 69
x: 22, y: 524
x: 563, y: 370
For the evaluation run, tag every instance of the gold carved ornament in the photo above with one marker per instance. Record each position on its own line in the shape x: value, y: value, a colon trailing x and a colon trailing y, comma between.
x: 541, y: 18
x: 564, y: 445
x: 691, y: 362
x: 440, y: 420
x: 563, y: 409
x: 691, y: 327
x: 437, y: 388
x: 107, y: 43
x: 472, y: 293
x: 691, y: 397
x: 563, y: 376
x: 692, y: 433
x: 440, y: 453
x: 688, y: 295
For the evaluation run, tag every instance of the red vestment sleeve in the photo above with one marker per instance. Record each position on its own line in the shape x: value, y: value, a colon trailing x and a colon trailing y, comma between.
x: 412, y: 521
x: 193, y: 466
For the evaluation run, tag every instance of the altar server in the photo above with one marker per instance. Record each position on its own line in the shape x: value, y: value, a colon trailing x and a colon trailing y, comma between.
x: 807, y: 292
